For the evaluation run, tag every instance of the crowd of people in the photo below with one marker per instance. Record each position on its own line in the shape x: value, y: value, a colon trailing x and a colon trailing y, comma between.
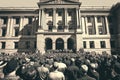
x: 59, y: 66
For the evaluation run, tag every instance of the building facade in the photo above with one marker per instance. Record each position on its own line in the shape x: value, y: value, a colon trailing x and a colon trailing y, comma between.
x: 58, y: 25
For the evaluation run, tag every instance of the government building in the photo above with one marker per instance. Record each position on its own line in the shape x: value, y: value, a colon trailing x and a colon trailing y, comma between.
x: 60, y: 25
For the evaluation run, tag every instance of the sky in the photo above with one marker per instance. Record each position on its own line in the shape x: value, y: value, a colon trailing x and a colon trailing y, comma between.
x: 33, y: 3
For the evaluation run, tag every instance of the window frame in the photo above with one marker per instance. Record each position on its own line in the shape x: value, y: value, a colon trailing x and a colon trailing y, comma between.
x: 92, y: 44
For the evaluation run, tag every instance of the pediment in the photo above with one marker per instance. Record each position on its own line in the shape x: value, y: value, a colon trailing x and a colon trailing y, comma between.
x: 42, y: 2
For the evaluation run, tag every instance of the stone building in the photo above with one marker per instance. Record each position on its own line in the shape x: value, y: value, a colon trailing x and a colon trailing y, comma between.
x: 59, y: 25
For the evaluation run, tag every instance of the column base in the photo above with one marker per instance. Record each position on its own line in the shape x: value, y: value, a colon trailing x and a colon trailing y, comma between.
x: 40, y: 30
x: 54, y: 30
x: 66, y: 30
x: 79, y: 30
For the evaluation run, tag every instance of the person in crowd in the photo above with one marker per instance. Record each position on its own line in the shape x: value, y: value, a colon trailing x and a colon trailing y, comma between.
x: 10, y: 69
x: 72, y: 72
x: 42, y: 71
x: 92, y: 71
x: 56, y: 75
x: 84, y: 75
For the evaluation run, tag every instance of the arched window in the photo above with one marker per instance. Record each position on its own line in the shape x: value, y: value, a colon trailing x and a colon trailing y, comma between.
x: 70, y: 44
x: 59, y: 44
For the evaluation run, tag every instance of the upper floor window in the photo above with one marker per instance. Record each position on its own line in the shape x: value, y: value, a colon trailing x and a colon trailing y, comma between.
x: 101, y: 30
x: 29, y: 20
x: 69, y: 13
x: 99, y: 19
x: 4, y: 30
x: 102, y: 43
x: 50, y: 13
x: 91, y: 30
x: 59, y: 13
x: 92, y: 45
x: 16, y: 31
x: 5, y: 20
x: 17, y: 20
x: 89, y: 19
x: 3, y: 45
x: 50, y: 28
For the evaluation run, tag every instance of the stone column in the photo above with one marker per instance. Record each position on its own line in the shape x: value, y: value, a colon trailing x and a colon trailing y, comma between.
x: 77, y: 16
x: 33, y: 25
x: 12, y: 31
x: 42, y: 19
x: 39, y: 18
x: 65, y: 45
x: 21, y: 25
x: 107, y: 26
x: 83, y: 25
x: 0, y: 28
x: 66, y: 24
x: 80, y: 20
x: 86, y: 27
x: 54, y: 20
x: 96, y: 26
x: 8, y: 26
x: 54, y: 17
x: 54, y: 46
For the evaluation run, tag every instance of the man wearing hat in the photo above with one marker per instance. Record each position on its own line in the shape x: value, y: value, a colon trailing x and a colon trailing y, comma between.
x: 92, y: 72
x: 85, y: 76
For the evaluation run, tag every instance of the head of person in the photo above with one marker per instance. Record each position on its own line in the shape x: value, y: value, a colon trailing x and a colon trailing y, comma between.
x: 84, y: 68
x: 55, y: 65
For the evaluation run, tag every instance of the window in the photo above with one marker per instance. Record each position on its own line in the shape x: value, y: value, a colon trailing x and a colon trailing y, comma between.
x: 59, y: 13
x: 50, y: 28
x: 29, y: 20
x: 16, y: 31
x: 112, y: 44
x: 5, y: 20
x: 27, y: 44
x: 50, y: 13
x: 17, y: 20
x: 4, y: 30
x: 69, y: 13
x: 89, y: 20
x: 91, y: 30
x: 3, y: 45
x: 84, y: 44
x: 102, y: 43
x: 92, y: 44
x: 100, y: 30
x: 16, y: 45
x: 99, y: 19
x: 60, y: 28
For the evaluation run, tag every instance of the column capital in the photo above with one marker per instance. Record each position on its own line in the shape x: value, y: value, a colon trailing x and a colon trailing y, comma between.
x: 77, y: 8
x: 65, y: 8
x: 54, y: 8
